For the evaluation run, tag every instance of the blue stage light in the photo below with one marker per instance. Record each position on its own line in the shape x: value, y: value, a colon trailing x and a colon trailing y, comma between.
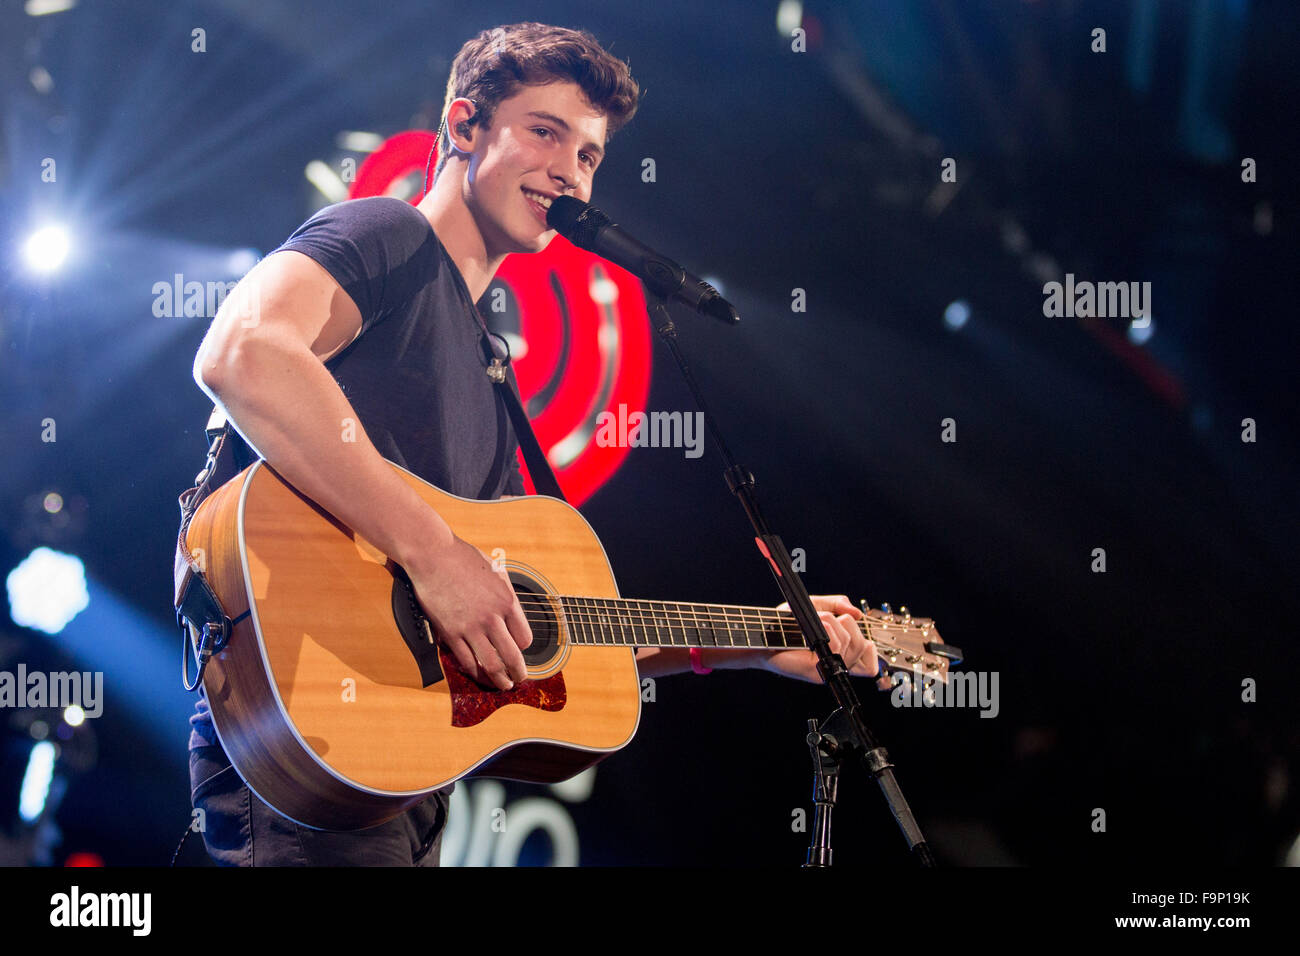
x: 46, y: 249
x: 36, y: 781
x: 1141, y: 334
x: 957, y: 314
x: 47, y: 590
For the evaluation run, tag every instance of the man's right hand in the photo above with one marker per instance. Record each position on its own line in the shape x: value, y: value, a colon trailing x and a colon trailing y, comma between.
x: 474, y: 612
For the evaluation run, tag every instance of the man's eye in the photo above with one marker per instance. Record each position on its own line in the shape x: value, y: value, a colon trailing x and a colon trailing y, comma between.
x: 586, y: 158
x: 541, y: 130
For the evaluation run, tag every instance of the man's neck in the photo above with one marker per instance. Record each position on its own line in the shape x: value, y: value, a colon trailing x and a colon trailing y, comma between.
x: 459, y: 234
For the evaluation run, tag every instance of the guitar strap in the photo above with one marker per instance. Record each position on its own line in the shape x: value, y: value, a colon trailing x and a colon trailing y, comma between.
x: 539, y: 469
x: 203, y: 623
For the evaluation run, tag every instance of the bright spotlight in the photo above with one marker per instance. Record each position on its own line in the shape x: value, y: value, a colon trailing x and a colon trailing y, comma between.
x: 46, y: 249
x: 957, y: 314
x: 40, y: 8
x: 789, y: 16
x: 47, y: 590
x: 36, y: 781
x: 74, y: 716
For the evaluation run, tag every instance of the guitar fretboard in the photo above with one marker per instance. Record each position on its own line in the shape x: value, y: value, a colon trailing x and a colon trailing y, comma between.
x: 637, y: 623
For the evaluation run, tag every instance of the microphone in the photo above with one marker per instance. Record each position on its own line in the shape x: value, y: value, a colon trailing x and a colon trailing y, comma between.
x: 588, y: 228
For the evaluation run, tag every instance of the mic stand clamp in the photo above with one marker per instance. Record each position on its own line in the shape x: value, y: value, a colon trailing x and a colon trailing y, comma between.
x: 825, y: 751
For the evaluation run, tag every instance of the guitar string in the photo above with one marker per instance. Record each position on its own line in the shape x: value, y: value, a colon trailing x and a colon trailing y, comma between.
x: 624, y: 629
x: 599, y: 619
x: 625, y: 616
x: 644, y: 607
x: 631, y: 616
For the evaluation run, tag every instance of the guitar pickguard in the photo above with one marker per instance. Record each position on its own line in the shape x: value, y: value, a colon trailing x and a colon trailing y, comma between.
x: 472, y: 703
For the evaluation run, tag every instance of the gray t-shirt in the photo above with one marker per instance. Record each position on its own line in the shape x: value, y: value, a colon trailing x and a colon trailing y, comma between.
x: 416, y: 373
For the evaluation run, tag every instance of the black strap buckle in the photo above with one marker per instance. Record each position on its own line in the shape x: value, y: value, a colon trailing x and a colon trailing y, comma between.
x: 201, y: 612
x: 213, y: 639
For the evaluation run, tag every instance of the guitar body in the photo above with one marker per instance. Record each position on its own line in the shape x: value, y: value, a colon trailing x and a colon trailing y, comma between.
x: 331, y: 700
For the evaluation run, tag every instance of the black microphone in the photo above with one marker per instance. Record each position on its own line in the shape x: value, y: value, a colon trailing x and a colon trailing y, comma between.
x: 588, y: 228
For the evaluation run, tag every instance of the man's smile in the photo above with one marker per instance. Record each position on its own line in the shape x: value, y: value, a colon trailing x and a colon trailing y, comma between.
x: 538, y: 202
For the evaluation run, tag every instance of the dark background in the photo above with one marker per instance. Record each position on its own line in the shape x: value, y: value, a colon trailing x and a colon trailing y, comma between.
x: 776, y: 170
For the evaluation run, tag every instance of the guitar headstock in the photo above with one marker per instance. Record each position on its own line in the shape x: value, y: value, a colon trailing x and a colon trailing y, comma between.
x: 909, y: 644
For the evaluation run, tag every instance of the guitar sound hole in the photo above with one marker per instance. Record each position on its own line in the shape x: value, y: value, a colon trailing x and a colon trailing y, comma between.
x: 541, y: 619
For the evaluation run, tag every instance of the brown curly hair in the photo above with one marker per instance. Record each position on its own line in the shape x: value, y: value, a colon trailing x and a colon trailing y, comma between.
x: 494, y: 65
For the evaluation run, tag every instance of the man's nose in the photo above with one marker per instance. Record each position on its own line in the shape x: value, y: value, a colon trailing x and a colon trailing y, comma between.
x: 567, y: 173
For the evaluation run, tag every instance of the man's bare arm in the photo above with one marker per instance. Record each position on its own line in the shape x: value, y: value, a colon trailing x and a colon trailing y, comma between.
x: 262, y: 361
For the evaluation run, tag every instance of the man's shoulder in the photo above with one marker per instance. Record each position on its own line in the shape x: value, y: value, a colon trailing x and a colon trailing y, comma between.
x: 369, y: 236
x: 371, y: 213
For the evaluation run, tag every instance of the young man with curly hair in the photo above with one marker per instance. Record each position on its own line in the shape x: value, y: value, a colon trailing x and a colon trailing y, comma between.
x: 367, y: 314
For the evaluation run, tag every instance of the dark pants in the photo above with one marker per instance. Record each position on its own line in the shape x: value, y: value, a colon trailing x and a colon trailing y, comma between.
x: 241, y: 830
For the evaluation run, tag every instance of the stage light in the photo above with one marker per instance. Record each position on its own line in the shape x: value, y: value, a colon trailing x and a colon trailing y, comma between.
x: 47, y: 590
x: 359, y: 142
x: 1141, y: 334
x: 53, y: 503
x: 36, y: 781
x: 789, y: 16
x: 41, y: 80
x: 957, y: 314
x: 40, y: 8
x: 74, y: 716
x: 326, y: 180
x: 46, y: 248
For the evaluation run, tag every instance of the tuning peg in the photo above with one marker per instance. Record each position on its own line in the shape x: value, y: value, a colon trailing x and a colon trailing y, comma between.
x: 907, y: 615
x: 885, y: 609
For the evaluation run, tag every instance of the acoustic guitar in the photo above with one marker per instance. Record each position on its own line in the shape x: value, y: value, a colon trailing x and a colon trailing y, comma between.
x: 339, y: 709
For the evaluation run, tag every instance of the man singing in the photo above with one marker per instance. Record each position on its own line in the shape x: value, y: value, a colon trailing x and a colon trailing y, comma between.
x: 366, y: 314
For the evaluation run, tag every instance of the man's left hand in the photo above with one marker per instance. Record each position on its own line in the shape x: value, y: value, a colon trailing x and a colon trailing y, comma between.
x: 840, y: 617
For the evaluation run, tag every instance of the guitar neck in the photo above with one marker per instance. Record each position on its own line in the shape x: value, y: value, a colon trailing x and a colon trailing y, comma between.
x: 637, y: 623
x: 903, y: 643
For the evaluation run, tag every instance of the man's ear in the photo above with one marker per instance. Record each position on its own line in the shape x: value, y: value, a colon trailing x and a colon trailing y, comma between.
x: 459, y: 119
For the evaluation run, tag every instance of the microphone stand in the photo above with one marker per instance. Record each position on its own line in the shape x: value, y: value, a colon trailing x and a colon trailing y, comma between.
x: 850, y: 737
